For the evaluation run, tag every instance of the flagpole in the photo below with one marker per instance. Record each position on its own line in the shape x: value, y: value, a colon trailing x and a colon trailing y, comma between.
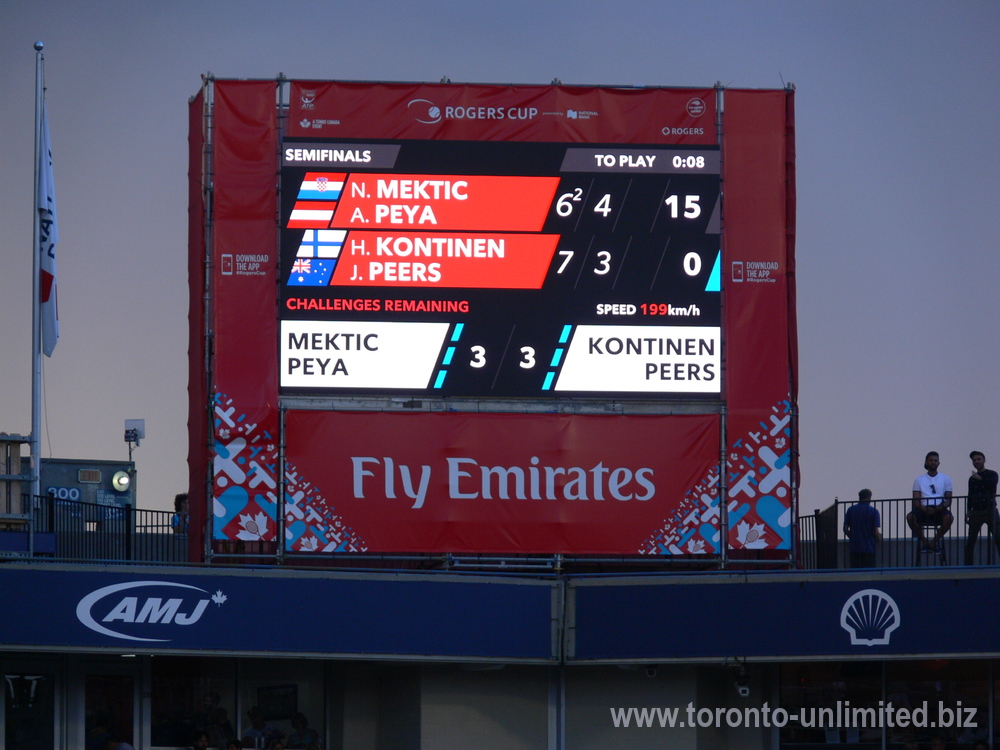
x: 36, y: 271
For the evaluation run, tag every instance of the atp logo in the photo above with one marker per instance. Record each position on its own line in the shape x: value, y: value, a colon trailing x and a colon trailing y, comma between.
x: 149, y: 608
x: 870, y: 616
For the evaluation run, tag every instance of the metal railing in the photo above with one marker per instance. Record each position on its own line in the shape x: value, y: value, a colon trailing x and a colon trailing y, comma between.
x: 825, y: 546
x: 74, y: 531
x: 71, y: 530
x: 806, y: 546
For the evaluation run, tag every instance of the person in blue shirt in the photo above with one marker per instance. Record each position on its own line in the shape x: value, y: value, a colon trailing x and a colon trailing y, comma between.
x: 179, y: 521
x: 862, y: 527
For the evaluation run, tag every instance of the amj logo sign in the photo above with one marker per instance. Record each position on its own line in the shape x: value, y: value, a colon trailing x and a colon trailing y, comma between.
x: 125, y: 610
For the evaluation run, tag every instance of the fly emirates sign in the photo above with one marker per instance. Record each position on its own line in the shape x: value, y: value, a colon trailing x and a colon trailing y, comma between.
x: 467, y: 479
x: 546, y: 483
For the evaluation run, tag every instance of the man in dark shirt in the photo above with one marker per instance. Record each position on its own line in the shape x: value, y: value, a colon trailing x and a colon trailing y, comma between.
x: 982, y: 507
x: 861, y: 526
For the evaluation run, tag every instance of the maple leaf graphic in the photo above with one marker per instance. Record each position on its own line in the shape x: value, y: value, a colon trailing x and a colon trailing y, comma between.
x: 253, y: 527
x: 309, y: 544
x: 219, y: 598
x: 751, y: 537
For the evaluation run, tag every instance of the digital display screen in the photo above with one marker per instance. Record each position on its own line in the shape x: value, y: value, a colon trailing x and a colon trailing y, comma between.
x: 500, y: 270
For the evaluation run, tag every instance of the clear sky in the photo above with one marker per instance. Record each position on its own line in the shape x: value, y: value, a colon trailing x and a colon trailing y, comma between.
x: 897, y: 104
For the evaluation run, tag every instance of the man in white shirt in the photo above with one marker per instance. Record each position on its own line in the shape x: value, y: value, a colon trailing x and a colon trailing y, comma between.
x: 931, y: 503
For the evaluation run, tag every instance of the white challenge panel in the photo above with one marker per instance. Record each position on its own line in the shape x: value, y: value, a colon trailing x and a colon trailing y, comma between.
x: 356, y: 354
x: 656, y: 359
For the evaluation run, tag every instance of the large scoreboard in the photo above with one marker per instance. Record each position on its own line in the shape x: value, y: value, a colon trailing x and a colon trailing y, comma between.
x: 437, y: 318
x: 500, y: 269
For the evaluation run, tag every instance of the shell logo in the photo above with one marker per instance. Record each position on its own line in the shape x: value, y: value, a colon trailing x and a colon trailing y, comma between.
x: 870, y: 616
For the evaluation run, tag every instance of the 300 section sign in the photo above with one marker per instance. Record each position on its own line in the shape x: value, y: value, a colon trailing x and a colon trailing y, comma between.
x: 500, y: 269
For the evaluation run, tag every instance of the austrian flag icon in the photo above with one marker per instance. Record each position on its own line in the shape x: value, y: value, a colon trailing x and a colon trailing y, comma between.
x: 317, y: 200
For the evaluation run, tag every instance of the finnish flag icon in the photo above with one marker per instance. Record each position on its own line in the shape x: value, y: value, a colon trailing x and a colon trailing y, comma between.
x: 321, y: 243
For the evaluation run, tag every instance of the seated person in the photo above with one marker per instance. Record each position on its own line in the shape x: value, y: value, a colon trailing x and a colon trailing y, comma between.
x: 931, y: 504
x: 260, y: 733
x: 301, y: 734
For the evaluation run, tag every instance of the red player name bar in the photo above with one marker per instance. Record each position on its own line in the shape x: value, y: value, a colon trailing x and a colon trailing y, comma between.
x: 449, y: 202
x: 445, y: 260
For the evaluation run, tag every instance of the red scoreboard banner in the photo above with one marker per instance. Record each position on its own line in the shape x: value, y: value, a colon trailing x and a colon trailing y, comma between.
x: 463, y: 112
x: 491, y: 244
x: 494, y: 483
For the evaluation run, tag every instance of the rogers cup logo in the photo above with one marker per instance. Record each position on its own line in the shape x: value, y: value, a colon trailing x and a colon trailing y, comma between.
x: 107, y: 614
x: 870, y: 616
x: 425, y: 111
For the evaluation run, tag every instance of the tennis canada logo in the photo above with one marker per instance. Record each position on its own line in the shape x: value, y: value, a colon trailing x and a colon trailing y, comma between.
x: 138, y: 610
x: 870, y: 616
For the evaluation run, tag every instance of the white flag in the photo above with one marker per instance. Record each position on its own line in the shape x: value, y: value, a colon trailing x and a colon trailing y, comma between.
x: 48, y: 235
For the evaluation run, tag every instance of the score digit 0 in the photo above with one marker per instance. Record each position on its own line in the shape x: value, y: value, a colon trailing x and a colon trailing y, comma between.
x: 692, y: 264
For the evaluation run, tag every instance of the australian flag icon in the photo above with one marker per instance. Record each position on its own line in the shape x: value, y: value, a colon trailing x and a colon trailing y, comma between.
x: 311, y: 272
